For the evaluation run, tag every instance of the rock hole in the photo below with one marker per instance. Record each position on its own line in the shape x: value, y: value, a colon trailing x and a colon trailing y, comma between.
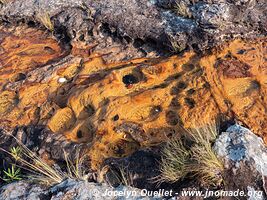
x: 175, y: 103
x: 178, y: 88
x: 172, y: 118
x: 190, y: 91
x: 188, y: 67
x: 190, y: 102
x: 90, y: 110
x: 79, y: 134
x: 127, y: 39
x: 206, y: 85
x: 162, y: 85
x: 31, y: 24
x: 62, y: 34
x: 81, y: 37
x: 138, y: 43
x: 175, y: 76
x: 228, y: 55
x: 152, y: 134
x: 49, y: 50
x: 106, y: 29
x: 170, y: 134
x: 196, y: 47
x: 156, y: 110
x: 116, y: 118
x: 19, y: 77
x: 241, y: 51
x: 255, y: 85
x: 181, y: 85
x: 129, y: 79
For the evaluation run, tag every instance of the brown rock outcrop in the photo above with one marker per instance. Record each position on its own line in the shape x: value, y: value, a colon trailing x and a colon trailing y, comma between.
x: 121, y: 107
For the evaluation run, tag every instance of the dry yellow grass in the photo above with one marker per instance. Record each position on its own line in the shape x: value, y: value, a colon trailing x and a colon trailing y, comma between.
x: 122, y: 175
x: 182, y: 9
x: 206, y: 166
x: 173, y: 164
x: 199, y: 161
x: 43, y: 173
x: 5, y: 1
x: 45, y: 19
x: 203, y: 133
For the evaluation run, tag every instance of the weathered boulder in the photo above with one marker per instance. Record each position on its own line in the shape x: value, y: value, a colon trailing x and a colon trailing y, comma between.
x: 245, y: 158
x: 71, y: 189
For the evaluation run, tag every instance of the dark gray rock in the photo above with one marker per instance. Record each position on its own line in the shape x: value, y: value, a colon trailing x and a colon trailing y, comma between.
x: 139, y: 168
x: 161, y: 23
x: 20, y: 190
x: 70, y: 189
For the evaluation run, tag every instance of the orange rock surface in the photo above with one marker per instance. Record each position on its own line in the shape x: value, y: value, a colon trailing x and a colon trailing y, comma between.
x: 121, y: 107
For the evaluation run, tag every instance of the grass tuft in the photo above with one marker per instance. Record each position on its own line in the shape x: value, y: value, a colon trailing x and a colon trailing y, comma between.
x: 76, y: 170
x: 45, y: 19
x: 12, y: 174
x: 122, y: 175
x: 43, y: 173
x: 198, y: 160
x: 173, y: 162
x: 206, y: 166
x: 175, y: 46
x: 15, y: 152
x: 182, y: 9
x: 126, y: 177
x: 203, y: 134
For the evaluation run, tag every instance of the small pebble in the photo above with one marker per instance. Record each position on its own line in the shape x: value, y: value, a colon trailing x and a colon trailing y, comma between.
x: 62, y: 80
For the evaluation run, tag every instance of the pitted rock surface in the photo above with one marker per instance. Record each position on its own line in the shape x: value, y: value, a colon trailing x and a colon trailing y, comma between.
x: 179, y: 24
x: 117, y: 108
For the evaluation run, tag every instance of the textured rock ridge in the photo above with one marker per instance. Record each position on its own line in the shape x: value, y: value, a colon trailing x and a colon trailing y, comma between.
x: 118, y: 108
x: 173, y: 24
x: 70, y: 189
